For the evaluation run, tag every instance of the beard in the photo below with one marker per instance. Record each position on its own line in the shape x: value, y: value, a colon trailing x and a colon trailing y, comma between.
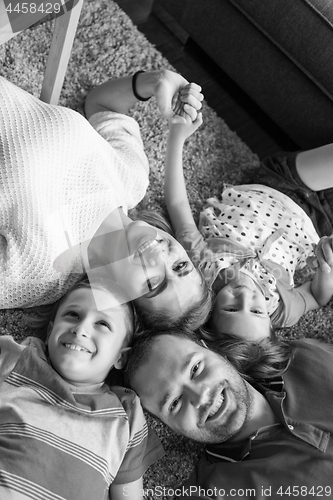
x: 227, y: 429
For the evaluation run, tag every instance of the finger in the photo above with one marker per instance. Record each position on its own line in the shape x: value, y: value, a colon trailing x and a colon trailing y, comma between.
x: 199, y: 119
x: 191, y: 100
x: 324, y: 266
x: 191, y: 88
x: 191, y: 112
x: 175, y: 101
x: 177, y: 119
x: 328, y: 253
x: 312, y: 262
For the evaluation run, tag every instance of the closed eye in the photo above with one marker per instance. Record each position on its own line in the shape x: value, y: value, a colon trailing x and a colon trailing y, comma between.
x: 256, y: 311
x: 73, y: 314
x: 105, y: 323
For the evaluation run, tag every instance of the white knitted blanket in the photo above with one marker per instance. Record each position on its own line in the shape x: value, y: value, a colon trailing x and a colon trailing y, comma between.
x: 57, y: 175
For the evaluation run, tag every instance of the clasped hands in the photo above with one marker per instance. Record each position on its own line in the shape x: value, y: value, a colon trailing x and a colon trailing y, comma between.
x: 323, y: 255
x: 175, y: 96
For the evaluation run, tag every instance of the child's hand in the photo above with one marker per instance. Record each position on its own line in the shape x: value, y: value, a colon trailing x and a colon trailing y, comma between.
x: 188, y: 101
x: 324, y: 253
x: 183, y: 126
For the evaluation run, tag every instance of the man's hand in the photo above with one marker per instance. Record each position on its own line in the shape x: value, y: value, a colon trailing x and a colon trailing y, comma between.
x: 172, y: 91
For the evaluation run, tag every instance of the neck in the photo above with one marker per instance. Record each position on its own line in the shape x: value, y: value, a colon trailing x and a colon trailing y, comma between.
x: 260, y: 415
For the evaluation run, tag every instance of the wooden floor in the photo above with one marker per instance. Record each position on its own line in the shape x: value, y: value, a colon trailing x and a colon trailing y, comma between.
x: 240, y: 113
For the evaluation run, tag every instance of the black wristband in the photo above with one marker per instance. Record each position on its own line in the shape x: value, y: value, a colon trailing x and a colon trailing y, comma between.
x: 134, y: 77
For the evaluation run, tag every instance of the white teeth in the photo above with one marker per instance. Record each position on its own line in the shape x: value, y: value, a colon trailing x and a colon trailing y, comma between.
x: 217, y: 406
x: 75, y: 347
x: 142, y: 248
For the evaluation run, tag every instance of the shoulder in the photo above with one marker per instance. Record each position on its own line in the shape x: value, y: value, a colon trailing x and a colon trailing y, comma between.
x: 312, y: 358
x: 10, y: 352
x: 107, y: 122
x: 130, y: 402
x: 309, y: 346
x: 293, y: 305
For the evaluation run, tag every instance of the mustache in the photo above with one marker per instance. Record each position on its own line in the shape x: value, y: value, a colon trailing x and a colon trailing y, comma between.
x: 205, y: 409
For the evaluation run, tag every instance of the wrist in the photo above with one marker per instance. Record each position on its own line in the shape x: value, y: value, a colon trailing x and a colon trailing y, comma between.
x: 144, y: 83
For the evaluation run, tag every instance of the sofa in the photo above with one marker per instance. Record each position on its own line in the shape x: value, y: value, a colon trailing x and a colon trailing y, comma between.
x: 280, y: 52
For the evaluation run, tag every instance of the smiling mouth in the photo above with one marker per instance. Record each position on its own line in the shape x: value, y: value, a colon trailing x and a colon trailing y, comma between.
x: 216, y: 406
x: 75, y: 347
x: 147, y: 245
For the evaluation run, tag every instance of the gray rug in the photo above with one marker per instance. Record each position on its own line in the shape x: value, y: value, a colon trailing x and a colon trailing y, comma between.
x: 107, y: 45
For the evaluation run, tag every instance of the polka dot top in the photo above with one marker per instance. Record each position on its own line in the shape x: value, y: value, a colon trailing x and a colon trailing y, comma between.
x: 269, y: 227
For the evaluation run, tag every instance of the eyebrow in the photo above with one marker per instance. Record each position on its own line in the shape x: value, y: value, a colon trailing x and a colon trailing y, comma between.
x: 185, y: 366
x: 70, y: 305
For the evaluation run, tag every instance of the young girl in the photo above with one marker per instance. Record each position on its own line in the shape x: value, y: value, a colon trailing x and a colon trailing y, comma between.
x: 252, y: 241
x: 64, y: 432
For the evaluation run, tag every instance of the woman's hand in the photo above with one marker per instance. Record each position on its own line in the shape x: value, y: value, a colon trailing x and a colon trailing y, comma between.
x: 172, y: 91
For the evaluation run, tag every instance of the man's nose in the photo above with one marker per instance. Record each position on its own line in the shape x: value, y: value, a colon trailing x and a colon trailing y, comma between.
x: 198, y: 394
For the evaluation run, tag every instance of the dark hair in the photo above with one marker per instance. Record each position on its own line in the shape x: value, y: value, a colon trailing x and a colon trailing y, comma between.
x: 192, y: 318
x: 157, y: 218
x: 46, y: 314
x: 142, y: 347
x: 254, y: 361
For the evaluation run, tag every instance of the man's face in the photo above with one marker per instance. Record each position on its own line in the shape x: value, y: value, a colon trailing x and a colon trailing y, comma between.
x: 193, y: 390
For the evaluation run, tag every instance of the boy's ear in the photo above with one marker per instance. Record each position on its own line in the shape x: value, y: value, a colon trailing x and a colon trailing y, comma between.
x: 48, y: 332
x: 122, y: 359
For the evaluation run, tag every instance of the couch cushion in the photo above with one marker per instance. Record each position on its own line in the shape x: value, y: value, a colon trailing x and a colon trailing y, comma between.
x: 302, y: 29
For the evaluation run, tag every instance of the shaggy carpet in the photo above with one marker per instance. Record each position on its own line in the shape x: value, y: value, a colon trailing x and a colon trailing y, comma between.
x: 107, y: 45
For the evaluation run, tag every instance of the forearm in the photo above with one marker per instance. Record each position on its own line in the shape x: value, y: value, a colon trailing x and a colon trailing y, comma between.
x: 322, y: 287
x: 117, y: 95
x: 175, y: 192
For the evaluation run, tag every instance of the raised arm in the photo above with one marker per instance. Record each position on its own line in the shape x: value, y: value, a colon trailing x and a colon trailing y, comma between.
x: 322, y: 283
x: 168, y: 87
x: 174, y: 183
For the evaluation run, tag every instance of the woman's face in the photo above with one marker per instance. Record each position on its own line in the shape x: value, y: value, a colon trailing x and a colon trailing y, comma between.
x: 152, y: 267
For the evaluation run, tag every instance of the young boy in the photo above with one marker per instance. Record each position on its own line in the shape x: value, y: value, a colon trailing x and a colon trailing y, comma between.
x: 64, y: 434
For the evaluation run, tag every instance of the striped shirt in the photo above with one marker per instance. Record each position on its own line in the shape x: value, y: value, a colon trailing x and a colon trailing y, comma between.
x: 58, y: 444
